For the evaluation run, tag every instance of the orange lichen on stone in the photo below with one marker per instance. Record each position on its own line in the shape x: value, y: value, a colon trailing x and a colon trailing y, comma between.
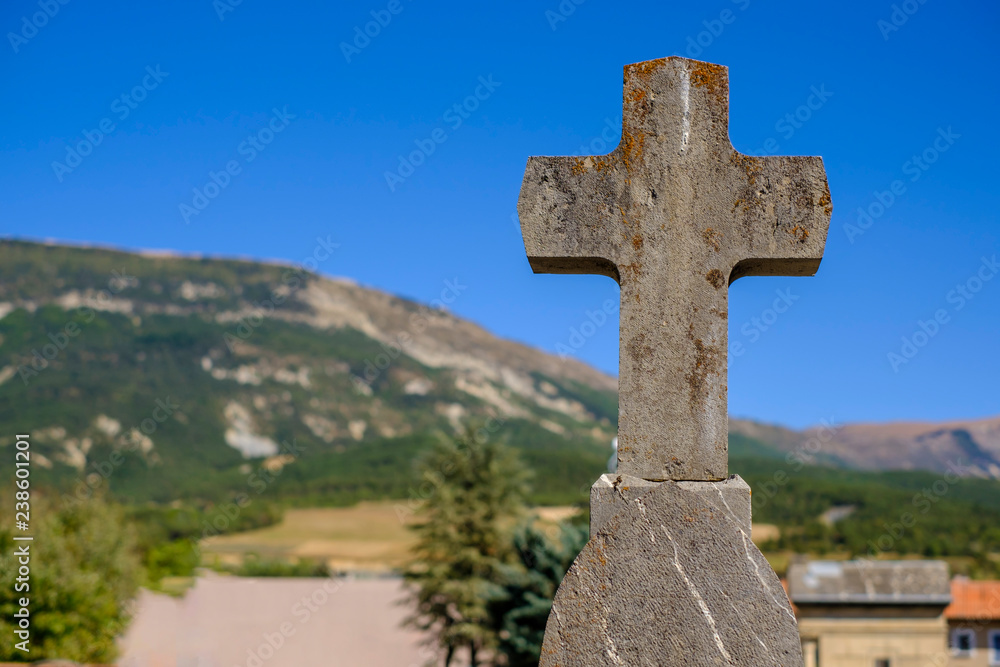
x: 712, y: 238
x: 579, y: 167
x: 645, y: 69
x: 707, y: 75
x: 631, y: 146
x: 631, y: 270
x: 800, y: 233
x: 638, y: 104
x: 637, y: 242
x: 625, y: 221
x: 751, y: 165
x: 826, y: 202
x: 716, y: 278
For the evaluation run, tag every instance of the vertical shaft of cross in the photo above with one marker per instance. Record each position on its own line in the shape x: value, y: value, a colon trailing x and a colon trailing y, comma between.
x: 680, y: 396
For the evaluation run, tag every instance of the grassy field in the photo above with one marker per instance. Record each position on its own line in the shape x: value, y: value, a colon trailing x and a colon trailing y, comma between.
x: 369, y: 536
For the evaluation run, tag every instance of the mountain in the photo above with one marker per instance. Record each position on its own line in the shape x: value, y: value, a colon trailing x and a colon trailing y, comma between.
x: 970, y: 448
x: 195, y: 377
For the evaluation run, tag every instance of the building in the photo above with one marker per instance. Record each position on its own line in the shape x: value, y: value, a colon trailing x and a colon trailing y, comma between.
x: 872, y: 613
x: 974, y: 623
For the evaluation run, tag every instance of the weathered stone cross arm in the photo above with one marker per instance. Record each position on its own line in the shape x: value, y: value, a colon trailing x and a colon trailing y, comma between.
x: 674, y: 214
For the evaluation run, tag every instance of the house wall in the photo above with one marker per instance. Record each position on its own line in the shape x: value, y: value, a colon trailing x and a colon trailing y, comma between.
x: 981, y: 657
x: 860, y: 641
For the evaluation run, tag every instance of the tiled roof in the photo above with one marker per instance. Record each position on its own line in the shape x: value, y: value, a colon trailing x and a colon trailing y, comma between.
x: 870, y: 582
x: 974, y: 600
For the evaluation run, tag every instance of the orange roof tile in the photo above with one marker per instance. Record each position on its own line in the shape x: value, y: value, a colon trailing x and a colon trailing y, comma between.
x: 974, y: 600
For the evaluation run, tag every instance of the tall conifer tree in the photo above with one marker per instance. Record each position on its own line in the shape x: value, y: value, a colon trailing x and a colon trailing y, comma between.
x: 475, y: 489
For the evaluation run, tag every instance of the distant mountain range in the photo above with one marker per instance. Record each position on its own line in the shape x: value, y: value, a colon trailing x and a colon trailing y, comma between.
x: 970, y: 448
x: 187, y: 377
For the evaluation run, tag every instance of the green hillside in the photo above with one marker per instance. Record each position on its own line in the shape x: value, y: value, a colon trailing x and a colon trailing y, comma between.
x: 90, y: 383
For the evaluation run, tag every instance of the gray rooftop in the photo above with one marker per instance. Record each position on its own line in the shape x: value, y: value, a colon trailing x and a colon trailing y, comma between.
x: 870, y: 582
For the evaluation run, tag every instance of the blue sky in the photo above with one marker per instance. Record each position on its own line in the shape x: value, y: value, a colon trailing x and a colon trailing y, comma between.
x: 299, y: 132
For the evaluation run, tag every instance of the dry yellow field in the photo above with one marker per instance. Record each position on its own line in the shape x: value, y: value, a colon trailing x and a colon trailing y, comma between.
x: 762, y: 532
x: 370, y: 536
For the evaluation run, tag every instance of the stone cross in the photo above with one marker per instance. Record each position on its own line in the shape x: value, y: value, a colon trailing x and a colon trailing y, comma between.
x: 675, y: 215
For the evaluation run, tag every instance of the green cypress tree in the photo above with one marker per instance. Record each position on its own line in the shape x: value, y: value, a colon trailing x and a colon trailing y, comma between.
x: 474, y: 492
x: 522, y: 611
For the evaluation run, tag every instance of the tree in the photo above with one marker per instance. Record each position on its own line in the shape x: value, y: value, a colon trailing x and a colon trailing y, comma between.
x: 475, y: 492
x: 521, y: 613
x: 84, y: 575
